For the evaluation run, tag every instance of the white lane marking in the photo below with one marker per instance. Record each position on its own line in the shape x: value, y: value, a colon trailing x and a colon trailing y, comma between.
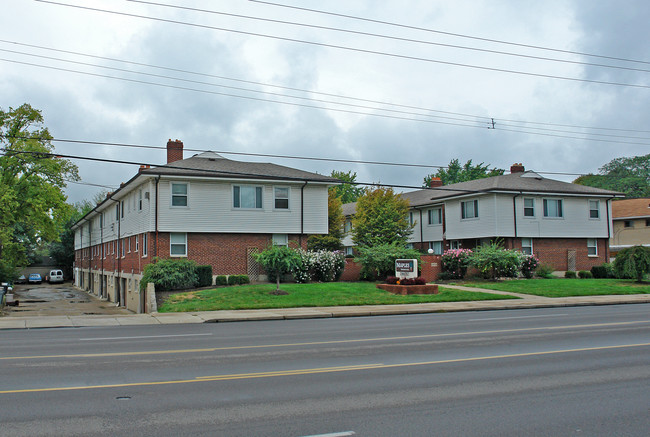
x: 333, y: 434
x: 516, y: 317
x: 142, y: 336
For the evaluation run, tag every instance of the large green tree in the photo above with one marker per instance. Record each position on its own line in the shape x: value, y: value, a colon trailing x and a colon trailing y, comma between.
x: 627, y: 175
x: 381, y: 217
x: 455, y: 172
x: 348, y: 191
x: 62, y: 250
x: 33, y: 207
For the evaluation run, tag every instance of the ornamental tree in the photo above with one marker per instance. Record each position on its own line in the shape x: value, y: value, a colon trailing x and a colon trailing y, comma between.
x: 381, y: 218
x: 633, y: 262
x: 278, y: 261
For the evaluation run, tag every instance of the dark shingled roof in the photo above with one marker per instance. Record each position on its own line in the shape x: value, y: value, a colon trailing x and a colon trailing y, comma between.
x: 210, y: 164
x: 527, y: 182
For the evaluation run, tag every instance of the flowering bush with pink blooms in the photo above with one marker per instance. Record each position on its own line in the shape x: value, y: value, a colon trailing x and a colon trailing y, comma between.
x: 455, y: 263
x: 529, y: 265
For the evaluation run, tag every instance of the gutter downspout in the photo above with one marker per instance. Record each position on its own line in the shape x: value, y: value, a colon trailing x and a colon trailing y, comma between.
x: 514, y: 214
x: 421, y: 235
x: 609, y: 236
x: 302, y: 212
x: 156, y: 219
x: 101, y: 253
x: 119, y: 260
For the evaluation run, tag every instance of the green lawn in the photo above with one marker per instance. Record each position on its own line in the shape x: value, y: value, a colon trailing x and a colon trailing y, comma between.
x: 305, y: 295
x: 561, y: 287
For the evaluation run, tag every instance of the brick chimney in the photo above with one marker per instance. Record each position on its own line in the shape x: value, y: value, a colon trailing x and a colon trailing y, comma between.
x: 174, y: 151
x: 435, y: 182
x: 517, y: 167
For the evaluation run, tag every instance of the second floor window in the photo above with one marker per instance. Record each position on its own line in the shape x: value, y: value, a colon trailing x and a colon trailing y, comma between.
x: 594, y: 209
x: 553, y: 208
x: 179, y: 194
x: 435, y: 216
x: 529, y: 207
x: 281, y: 197
x: 469, y: 209
x: 347, y: 227
x: 247, y: 196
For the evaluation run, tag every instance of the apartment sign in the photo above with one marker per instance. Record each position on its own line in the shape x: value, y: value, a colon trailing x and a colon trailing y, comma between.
x: 406, y: 268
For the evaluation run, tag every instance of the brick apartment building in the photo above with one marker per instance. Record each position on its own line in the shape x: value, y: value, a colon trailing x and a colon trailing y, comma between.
x: 206, y: 208
x: 565, y: 225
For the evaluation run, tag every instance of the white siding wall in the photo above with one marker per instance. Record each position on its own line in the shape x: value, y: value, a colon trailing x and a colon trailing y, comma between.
x: 429, y: 232
x: 210, y: 209
x: 496, y: 218
x: 575, y: 222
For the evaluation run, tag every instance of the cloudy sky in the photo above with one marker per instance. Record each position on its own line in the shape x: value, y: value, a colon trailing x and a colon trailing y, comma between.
x: 410, y: 81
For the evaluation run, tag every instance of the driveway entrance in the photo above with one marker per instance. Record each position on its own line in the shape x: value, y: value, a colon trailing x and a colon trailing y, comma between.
x: 58, y: 300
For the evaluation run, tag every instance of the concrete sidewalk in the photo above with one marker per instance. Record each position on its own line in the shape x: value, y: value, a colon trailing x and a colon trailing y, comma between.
x: 525, y: 301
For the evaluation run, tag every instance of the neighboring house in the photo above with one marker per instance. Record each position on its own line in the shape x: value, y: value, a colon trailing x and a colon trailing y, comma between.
x: 631, y: 224
x: 565, y: 225
x: 206, y: 208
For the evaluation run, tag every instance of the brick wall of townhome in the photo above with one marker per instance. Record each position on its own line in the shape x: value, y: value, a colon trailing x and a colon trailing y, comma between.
x: 555, y: 252
x: 226, y: 253
x: 351, y: 271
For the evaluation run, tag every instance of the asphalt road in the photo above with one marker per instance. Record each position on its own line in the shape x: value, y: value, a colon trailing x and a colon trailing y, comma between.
x: 560, y: 371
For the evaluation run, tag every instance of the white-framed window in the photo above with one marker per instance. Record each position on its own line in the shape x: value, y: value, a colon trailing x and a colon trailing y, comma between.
x: 594, y: 209
x: 280, y: 239
x: 529, y: 207
x: 178, y: 244
x: 592, y: 247
x: 436, y: 246
x: 435, y: 216
x: 113, y: 248
x: 527, y: 246
x: 454, y: 244
x: 553, y: 208
x: 129, y: 244
x: 469, y: 209
x: 137, y: 246
x: 123, y: 249
x: 139, y: 200
x: 280, y: 197
x: 348, y: 250
x: 179, y: 194
x: 122, y: 209
x: 144, y: 244
x: 247, y: 197
x: 347, y: 227
x: 412, y: 220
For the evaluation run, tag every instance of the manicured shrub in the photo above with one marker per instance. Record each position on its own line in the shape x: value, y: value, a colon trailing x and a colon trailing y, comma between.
x: 570, y: 274
x: 455, y: 263
x: 238, y: 279
x: 205, y: 275
x: 392, y: 279
x: 493, y: 261
x: 585, y: 274
x: 170, y: 274
x: 379, y: 261
x: 221, y: 280
x: 599, y: 272
x: 633, y: 262
x: 545, y: 271
x: 529, y: 265
x: 413, y: 281
x: 278, y: 261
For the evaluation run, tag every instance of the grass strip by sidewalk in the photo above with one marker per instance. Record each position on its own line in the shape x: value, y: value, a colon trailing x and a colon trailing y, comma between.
x: 306, y: 295
x: 562, y: 287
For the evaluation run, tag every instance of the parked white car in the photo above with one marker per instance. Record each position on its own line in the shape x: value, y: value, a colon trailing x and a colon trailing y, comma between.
x: 55, y: 276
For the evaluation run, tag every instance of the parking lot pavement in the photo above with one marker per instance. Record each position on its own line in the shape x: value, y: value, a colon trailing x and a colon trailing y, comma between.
x: 58, y: 300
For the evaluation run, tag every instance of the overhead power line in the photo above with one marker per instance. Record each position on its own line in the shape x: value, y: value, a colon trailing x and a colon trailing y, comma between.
x: 458, y: 35
x: 383, y: 36
x: 268, y: 155
x: 486, y: 119
x: 354, y: 49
